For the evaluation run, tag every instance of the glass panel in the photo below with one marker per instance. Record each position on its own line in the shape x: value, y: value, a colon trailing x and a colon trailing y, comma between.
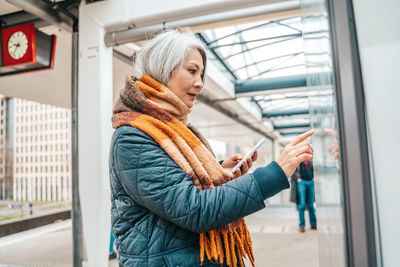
x: 378, y: 40
x: 327, y: 169
x: 258, y: 50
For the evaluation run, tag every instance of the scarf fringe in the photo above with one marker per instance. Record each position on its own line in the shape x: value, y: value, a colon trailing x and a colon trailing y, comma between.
x: 237, y: 244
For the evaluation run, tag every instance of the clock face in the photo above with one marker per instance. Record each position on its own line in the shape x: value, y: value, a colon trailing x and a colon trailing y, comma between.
x: 17, y: 45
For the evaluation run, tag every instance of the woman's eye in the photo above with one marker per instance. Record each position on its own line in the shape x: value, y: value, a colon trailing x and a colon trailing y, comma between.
x: 192, y: 71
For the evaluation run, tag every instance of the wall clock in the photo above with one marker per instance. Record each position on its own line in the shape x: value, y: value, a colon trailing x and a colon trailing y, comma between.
x: 25, y: 48
x: 17, y: 45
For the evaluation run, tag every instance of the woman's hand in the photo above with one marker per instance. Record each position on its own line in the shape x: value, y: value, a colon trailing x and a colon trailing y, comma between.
x: 295, y: 152
x: 231, y: 162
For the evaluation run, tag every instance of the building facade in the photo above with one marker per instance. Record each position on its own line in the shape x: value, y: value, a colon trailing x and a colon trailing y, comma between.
x: 34, y: 151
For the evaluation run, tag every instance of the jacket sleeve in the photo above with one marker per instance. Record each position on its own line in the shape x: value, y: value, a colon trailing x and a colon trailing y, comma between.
x: 152, y: 179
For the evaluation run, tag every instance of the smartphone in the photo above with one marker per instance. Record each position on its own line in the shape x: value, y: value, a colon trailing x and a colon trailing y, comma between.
x: 251, y: 152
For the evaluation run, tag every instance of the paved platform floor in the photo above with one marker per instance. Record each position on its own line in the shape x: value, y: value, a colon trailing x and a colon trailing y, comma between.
x: 276, y: 243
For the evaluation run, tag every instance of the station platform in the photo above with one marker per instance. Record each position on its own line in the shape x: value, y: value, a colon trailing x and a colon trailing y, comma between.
x: 276, y: 243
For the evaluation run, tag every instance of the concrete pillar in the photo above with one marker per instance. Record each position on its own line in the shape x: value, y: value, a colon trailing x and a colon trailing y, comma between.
x: 95, y: 129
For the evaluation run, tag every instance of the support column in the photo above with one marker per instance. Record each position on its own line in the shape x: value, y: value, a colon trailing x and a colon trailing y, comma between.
x: 94, y: 135
x: 276, y: 149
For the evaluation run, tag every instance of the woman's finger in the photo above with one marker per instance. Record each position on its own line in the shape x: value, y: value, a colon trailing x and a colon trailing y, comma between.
x: 245, y: 167
x: 303, y: 149
x: 255, y: 156
x: 238, y: 173
x: 302, y: 137
x: 304, y: 144
x: 304, y: 157
x: 249, y: 162
x: 301, y: 144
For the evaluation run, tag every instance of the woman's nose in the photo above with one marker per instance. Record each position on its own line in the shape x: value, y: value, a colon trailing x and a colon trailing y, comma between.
x: 198, y: 84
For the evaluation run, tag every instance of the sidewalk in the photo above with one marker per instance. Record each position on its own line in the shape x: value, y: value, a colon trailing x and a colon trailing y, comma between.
x: 276, y: 243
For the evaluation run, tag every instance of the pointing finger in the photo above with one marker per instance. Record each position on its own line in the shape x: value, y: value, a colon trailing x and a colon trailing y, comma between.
x: 302, y: 137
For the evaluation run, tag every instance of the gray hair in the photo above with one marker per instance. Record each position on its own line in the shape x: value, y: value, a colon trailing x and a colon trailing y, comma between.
x: 169, y: 49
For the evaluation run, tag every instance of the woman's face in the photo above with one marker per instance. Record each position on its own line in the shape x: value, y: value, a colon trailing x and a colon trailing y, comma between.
x: 186, y: 83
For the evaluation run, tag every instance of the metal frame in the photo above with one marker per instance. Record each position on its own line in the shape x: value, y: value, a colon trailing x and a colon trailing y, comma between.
x: 268, y: 59
x: 295, y: 35
x: 359, y: 220
x: 217, y: 56
x: 288, y: 38
x: 46, y: 12
x: 248, y: 84
x: 20, y: 17
x: 213, y: 46
x: 77, y: 236
x: 290, y: 126
x: 271, y: 84
x: 285, y: 113
x: 291, y: 133
x: 254, y: 27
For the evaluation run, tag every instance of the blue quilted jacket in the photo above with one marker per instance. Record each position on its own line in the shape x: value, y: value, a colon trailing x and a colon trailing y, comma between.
x: 157, y: 212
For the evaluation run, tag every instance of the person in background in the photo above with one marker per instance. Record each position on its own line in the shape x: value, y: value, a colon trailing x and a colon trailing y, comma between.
x: 111, y: 252
x: 304, y: 176
x: 173, y: 204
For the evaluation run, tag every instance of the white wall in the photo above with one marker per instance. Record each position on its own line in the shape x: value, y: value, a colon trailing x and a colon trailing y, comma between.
x: 378, y: 34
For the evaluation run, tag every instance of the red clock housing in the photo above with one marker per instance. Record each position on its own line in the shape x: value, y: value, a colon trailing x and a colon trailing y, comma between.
x: 30, y: 55
x: 39, y: 54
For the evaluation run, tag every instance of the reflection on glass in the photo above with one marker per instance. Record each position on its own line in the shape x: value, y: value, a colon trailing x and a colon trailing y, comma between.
x: 322, y: 101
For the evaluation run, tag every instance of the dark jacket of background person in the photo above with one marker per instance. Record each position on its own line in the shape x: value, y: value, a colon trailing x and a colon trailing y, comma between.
x: 303, y: 171
x: 306, y: 171
x: 158, y: 213
x: 293, y: 188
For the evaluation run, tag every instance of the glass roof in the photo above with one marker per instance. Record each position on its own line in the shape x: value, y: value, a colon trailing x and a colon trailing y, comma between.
x: 262, y: 50
x: 258, y: 50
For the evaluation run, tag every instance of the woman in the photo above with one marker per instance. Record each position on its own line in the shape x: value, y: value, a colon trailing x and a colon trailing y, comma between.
x: 173, y: 204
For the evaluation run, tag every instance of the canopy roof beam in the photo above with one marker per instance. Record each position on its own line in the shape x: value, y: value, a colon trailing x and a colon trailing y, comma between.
x: 43, y: 10
x: 285, y: 113
x: 270, y: 84
x: 290, y: 126
x: 291, y: 133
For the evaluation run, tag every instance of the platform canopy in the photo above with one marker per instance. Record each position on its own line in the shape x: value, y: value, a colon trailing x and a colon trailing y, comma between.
x: 266, y: 62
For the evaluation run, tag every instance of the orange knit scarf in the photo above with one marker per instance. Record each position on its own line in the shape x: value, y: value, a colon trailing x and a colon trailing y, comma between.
x: 151, y: 107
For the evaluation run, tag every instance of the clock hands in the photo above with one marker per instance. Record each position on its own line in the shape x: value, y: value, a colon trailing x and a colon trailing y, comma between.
x: 17, y: 45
